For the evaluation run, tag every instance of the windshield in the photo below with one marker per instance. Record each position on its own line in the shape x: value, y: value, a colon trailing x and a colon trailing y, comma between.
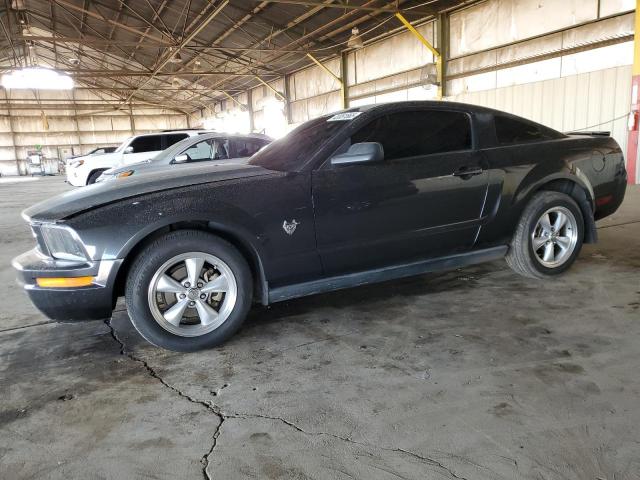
x: 174, y: 150
x: 293, y: 150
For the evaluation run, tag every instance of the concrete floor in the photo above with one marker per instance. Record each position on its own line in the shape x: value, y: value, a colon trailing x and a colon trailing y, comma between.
x: 472, y: 374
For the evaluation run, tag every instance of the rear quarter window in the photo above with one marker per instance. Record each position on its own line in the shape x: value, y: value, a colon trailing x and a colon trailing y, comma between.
x: 510, y: 131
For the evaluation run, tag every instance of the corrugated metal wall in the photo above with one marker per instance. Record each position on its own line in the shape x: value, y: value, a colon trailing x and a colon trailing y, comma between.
x: 22, y: 127
x: 587, y: 101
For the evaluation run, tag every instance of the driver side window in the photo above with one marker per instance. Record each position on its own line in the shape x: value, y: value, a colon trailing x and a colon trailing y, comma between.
x: 415, y: 133
x: 220, y: 148
x: 211, y: 149
x: 200, y: 151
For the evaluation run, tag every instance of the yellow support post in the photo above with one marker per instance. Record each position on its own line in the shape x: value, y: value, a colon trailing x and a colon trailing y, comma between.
x: 277, y: 93
x: 233, y: 99
x: 427, y: 44
x: 338, y: 79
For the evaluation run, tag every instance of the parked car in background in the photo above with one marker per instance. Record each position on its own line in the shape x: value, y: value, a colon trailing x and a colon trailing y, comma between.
x: 95, y: 151
x: 365, y: 195
x: 206, y: 147
x: 86, y: 170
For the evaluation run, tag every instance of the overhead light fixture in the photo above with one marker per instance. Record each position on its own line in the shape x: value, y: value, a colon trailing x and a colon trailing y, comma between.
x: 355, y: 40
x: 37, y: 78
x: 175, y: 83
x: 177, y: 58
x: 429, y: 76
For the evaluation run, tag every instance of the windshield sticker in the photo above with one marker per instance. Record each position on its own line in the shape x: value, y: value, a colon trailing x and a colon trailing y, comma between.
x: 343, y: 117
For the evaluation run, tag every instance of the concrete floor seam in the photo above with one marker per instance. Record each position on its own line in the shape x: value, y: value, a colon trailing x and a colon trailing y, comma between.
x: 12, y: 329
x: 209, y: 407
x: 223, y: 416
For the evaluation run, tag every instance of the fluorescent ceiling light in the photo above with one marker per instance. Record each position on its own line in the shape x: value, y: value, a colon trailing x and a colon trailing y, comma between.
x: 37, y: 78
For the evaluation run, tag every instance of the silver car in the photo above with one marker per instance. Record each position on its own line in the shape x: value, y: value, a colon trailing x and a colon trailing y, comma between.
x: 201, y: 148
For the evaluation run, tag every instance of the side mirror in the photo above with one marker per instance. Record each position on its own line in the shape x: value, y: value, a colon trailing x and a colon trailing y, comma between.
x: 128, y: 150
x: 184, y: 158
x: 365, y: 152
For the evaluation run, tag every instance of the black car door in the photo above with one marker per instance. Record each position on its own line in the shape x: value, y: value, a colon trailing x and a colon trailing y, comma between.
x: 425, y: 199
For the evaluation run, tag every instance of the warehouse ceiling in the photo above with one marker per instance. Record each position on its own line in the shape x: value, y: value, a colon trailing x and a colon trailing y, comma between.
x: 184, y: 54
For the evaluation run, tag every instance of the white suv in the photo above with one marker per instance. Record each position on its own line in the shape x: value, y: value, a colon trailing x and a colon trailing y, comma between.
x: 86, y: 170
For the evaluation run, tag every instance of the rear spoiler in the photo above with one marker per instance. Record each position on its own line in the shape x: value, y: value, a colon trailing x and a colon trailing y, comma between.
x: 601, y: 133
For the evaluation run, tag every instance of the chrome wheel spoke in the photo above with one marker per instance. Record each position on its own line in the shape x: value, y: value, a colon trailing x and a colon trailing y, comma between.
x: 167, y: 284
x: 545, y: 223
x: 538, y: 242
x: 174, y: 314
x: 194, y: 267
x: 218, y: 284
x: 561, y: 220
x: 206, y: 313
x: 564, y: 242
x: 549, y: 252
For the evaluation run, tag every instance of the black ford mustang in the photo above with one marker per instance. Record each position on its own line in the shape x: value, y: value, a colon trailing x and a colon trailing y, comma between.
x: 360, y: 196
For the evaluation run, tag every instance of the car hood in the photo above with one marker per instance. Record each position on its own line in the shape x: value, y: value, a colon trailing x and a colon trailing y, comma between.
x: 123, y: 168
x: 98, y: 158
x: 155, y: 165
x: 58, y: 208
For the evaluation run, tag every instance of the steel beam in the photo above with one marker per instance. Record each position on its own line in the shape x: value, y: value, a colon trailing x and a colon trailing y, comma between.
x: 427, y: 44
x: 184, y: 42
x: 344, y: 74
x: 276, y: 92
x: 442, y: 24
x: 339, y: 79
x: 132, y: 73
x: 347, y: 6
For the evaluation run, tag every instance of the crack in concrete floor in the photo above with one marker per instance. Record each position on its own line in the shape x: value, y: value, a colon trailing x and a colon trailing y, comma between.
x: 222, y: 416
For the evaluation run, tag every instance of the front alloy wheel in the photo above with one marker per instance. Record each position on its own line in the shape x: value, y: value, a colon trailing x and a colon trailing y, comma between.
x: 188, y: 290
x: 192, y: 294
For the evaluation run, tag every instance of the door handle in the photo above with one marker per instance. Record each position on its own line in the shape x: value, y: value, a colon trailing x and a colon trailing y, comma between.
x: 467, y: 172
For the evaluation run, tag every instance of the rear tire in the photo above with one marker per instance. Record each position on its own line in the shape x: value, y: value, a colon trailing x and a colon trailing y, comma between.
x: 188, y: 290
x: 548, y: 237
x: 94, y: 176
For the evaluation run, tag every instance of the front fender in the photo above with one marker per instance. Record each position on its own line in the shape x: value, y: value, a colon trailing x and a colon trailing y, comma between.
x: 136, y: 219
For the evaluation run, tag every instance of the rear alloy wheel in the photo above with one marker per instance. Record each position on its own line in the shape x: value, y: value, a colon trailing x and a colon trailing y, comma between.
x: 555, y: 237
x: 188, y: 290
x: 548, y: 237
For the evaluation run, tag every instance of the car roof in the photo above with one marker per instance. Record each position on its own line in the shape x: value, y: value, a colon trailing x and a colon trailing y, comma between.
x: 259, y: 136
x: 438, y: 104
x: 193, y: 131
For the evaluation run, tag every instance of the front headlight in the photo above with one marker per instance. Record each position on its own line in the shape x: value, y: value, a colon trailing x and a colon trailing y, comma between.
x: 77, y: 163
x: 63, y: 243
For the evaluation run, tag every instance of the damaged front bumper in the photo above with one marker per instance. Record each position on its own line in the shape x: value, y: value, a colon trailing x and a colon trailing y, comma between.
x: 92, y: 302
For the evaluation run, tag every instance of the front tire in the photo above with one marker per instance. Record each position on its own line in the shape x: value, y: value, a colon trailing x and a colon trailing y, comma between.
x: 188, y: 290
x: 548, y: 237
